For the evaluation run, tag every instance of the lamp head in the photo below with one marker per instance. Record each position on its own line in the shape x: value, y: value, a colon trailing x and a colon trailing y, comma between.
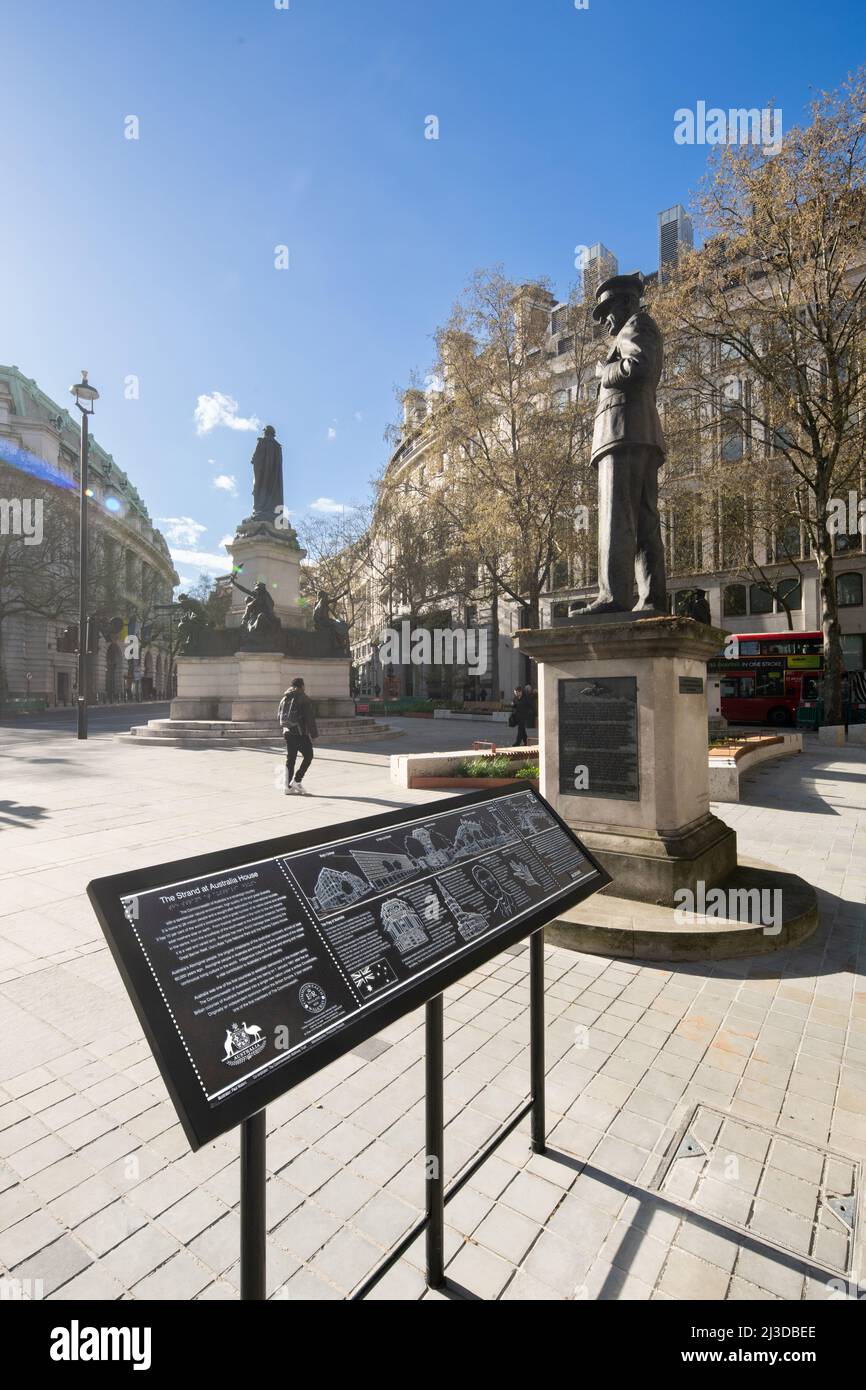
x: 84, y: 393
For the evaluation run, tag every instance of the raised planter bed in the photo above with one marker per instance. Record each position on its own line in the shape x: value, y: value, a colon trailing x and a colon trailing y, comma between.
x: 736, y: 756
x: 470, y: 784
x: 439, y: 771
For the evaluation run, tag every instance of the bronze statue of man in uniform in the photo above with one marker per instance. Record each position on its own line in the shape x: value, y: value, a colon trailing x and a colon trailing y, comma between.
x: 628, y: 448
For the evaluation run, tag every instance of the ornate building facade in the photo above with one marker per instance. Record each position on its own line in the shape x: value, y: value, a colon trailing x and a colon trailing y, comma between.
x: 132, y: 571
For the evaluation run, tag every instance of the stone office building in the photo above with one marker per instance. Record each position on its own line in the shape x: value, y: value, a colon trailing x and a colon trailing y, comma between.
x: 39, y: 440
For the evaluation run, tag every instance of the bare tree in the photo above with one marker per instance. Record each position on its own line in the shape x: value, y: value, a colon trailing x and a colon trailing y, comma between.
x: 767, y: 326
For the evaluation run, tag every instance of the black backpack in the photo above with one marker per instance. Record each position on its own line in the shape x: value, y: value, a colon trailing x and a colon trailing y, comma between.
x: 288, y: 716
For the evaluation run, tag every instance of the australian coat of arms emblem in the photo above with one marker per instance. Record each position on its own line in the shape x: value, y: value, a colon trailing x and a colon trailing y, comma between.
x: 243, y: 1041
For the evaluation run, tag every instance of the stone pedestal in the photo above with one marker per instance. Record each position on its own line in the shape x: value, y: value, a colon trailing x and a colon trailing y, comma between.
x: 249, y: 686
x: 638, y: 689
x: 275, y: 557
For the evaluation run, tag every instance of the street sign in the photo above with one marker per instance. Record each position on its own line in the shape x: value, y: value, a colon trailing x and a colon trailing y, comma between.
x: 253, y: 967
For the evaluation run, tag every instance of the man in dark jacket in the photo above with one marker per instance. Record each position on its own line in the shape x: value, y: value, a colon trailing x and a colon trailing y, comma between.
x: 628, y: 448
x: 299, y: 727
x: 520, y: 709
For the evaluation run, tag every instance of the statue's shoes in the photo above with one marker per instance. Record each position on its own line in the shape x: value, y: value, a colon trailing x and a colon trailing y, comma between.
x: 610, y: 606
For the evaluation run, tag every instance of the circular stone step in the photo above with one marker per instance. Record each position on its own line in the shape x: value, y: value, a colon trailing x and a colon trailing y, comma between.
x: 605, y: 925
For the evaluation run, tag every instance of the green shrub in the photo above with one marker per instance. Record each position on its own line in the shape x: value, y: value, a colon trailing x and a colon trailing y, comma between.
x: 496, y: 766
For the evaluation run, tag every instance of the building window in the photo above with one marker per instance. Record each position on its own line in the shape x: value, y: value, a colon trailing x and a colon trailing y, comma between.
x: 852, y: 651
x: 565, y: 345
x: 791, y: 591
x: 734, y: 601
x: 849, y: 590
x: 732, y: 422
x: 760, y: 599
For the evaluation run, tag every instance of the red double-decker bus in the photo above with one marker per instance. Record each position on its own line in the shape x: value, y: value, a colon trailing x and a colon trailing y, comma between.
x: 766, y: 675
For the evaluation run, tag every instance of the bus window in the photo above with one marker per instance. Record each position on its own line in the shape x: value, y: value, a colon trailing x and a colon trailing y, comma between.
x: 770, y: 683
x: 750, y: 648
x: 742, y: 687
x: 810, y: 688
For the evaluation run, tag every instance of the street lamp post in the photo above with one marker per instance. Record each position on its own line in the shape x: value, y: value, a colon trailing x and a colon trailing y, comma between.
x: 84, y: 394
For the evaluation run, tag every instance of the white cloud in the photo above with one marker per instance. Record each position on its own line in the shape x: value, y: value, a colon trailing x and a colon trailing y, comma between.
x: 224, y: 482
x: 227, y: 540
x: 332, y: 433
x: 359, y: 415
x: 326, y: 504
x: 216, y: 409
x: 180, y: 530
x: 199, y: 560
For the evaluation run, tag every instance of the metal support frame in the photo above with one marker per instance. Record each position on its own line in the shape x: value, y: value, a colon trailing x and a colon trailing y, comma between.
x: 254, y: 1141
x: 253, y: 1223
x: 437, y: 1195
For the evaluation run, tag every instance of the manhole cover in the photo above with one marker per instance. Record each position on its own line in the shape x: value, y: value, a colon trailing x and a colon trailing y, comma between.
x: 767, y: 1184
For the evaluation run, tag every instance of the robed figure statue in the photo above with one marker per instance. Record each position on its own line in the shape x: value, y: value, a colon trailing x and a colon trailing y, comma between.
x: 268, y: 477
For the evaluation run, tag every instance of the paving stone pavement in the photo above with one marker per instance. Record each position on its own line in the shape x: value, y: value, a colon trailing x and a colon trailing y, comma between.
x: 761, y: 1062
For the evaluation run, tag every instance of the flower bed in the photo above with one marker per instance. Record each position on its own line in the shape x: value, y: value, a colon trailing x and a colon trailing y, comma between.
x: 500, y: 769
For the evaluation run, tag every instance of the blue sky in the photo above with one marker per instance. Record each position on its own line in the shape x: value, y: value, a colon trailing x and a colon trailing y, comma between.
x: 304, y: 127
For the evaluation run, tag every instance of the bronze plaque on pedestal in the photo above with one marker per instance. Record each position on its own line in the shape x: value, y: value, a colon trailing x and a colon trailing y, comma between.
x: 598, y: 739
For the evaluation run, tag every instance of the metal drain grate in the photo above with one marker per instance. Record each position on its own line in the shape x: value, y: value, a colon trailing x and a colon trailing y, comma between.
x: 767, y: 1184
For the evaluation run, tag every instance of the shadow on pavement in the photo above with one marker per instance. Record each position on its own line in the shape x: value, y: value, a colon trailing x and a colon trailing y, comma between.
x: 12, y: 813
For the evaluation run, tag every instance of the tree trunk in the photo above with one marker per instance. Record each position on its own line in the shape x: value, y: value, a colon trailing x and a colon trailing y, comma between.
x: 493, y: 640
x: 830, y: 629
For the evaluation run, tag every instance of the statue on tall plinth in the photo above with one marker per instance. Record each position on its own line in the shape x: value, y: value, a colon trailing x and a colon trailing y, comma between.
x: 268, y: 477
x: 269, y: 518
x: 628, y: 448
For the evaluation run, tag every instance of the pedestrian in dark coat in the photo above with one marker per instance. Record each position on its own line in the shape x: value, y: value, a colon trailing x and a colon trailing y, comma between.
x: 519, y: 716
x: 298, y: 723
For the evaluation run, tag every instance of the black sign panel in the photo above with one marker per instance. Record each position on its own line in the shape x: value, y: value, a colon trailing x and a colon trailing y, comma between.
x: 691, y: 685
x: 598, y: 738
x: 252, y: 968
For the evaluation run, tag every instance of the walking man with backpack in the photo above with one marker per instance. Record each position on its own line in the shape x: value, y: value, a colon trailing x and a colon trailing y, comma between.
x: 299, y: 727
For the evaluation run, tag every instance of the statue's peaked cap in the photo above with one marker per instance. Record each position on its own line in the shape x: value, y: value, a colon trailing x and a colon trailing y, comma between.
x: 613, y: 286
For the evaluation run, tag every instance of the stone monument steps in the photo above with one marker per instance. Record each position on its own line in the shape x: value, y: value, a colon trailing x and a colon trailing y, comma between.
x: 215, y: 733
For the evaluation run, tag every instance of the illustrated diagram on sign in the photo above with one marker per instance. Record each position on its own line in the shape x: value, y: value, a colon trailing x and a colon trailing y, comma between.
x: 427, y: 847
x: 403, y: 925
x: 336, y: 888
x: 477, y: 832
x: 531, y: 815
x: 523, y: 872
x: 371, y: 978
x: 492, y: 889
x: 384, y: 869
x: 469, y: 924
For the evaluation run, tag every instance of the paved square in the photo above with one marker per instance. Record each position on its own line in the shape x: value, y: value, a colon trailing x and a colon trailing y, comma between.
x: 761, y: 1061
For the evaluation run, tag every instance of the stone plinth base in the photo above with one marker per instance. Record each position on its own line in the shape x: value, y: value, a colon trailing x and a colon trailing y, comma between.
x: 652, y: 867
x: 250, y: 685
x: 628, y: 769
x: 613, y: 926
x: 274, y: 559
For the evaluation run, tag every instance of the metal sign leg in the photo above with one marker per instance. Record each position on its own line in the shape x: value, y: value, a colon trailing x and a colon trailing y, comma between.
x: 536, y: 1039
x: 435, y: 1143
x: 253, y: 1223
